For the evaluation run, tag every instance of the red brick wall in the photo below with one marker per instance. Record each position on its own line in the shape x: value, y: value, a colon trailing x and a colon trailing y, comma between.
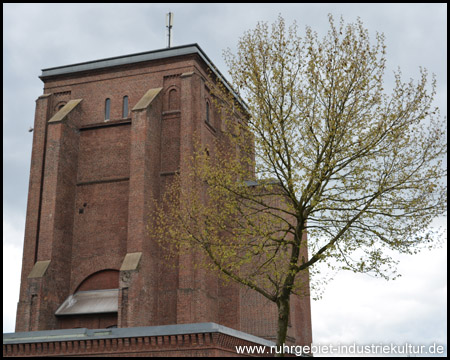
x: 100, y: 231
x: 104, y: 153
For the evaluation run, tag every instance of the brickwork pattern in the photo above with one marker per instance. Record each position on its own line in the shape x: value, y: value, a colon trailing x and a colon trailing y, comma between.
x: 88, y: 204
x: 188, y: 345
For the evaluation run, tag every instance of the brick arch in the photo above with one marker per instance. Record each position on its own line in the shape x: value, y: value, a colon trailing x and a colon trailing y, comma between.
x: 100, y: 280
x: 172, y: 95
x: 59, y: 106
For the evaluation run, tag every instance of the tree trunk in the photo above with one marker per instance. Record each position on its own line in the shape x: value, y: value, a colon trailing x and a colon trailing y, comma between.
x: 283, y: 321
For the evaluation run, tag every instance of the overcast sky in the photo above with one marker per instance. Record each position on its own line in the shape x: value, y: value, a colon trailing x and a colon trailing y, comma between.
x: 354, y: 308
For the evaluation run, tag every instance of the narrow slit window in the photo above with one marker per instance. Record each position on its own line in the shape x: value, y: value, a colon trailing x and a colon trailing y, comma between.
x: 207, y: 112
x: 125, y: 107
x: 107, y: 108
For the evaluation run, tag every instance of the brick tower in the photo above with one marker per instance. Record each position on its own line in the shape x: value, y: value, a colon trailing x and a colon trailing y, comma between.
x: 108, y: 135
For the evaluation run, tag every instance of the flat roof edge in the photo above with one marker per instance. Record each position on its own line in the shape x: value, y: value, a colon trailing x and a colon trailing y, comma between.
x: 162, y: 330
x: 121, y: 60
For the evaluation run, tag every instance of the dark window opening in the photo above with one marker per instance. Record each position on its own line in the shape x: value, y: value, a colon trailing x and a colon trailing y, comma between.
x: 107, y: 108
x: 125, y: 107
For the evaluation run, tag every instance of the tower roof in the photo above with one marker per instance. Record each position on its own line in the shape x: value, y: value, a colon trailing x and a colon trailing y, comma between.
x: 137, y: 58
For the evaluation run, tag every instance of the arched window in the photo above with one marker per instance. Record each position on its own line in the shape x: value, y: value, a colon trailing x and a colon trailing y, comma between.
x: 60, y: 106
x: 94, y: 303
x: 125, y: 107
x: 174, y: 103
x: 107, y: 108
x: 103, y: 279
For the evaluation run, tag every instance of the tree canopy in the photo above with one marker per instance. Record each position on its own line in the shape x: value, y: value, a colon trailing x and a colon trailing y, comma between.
x: 320, y: 148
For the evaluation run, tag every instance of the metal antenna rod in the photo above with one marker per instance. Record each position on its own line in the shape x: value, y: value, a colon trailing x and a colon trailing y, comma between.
x: 169, y: 24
